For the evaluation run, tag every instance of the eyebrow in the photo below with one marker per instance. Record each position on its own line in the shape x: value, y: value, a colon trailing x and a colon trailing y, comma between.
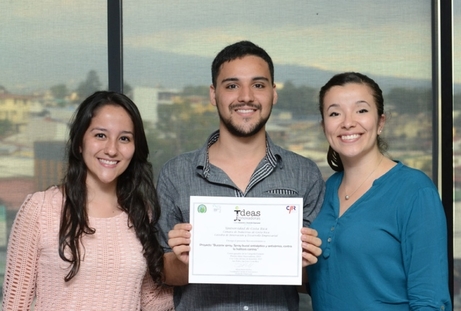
x: 105, y: 130
x: 334, y: 105
x: 252, y: 79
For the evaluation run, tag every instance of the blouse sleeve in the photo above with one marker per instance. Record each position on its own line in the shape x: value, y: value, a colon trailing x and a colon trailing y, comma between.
x: 154, y: 297
x: 22, y: 256
x: 424, y: 247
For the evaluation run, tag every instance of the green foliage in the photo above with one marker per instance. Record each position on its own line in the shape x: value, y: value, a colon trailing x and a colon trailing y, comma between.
x: 127, y: 90
x: 180, y: 129
x: 196, y: 90
x: 6, y: 127
x: 409, y: 101
x: 89, y: 86
x: 301, y: 100
x: 59, y: 91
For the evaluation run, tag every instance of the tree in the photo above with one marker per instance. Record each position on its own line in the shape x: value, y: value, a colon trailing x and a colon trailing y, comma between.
x: 301, y: 101
x: 180, y: 128
x: 89, y: 86
x: 196, y: 90
x: 59, y: 91
x: 127, y: 90
x: 5, y: 128
x: 409, y: 101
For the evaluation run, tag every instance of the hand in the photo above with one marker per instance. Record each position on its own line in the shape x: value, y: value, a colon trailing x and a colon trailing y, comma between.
x: 179, y: 240
x: 311, y: 246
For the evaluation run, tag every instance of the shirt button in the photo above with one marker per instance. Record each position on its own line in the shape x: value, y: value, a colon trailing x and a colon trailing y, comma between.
x: 332, y: 228
x: 246, y: 308
x: 329, y: 240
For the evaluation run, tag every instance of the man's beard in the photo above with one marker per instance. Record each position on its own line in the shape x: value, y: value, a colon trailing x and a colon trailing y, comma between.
x: 242, y: 131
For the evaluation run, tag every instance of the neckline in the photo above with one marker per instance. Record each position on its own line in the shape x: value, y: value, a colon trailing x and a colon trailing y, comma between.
x: 111, y: 217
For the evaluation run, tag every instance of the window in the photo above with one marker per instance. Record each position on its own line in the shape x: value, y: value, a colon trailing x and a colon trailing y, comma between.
x: 55, y: 53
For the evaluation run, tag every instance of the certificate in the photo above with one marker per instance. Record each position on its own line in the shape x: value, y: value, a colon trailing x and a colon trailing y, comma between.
x: 238, y: 240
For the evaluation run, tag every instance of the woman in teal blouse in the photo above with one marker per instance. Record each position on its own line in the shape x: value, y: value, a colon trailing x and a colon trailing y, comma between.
x: 382, y: 224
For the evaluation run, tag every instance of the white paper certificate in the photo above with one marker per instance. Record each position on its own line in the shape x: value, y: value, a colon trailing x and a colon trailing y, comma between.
x: 246, y: 240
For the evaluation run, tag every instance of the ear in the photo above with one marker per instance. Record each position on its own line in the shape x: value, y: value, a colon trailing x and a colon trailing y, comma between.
x: 212, y: 95
x: 275, y: 95
x: 381, y: 123
x: 322, y: 124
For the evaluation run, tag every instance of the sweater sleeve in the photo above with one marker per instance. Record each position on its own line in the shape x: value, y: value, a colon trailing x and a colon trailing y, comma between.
x: 154, y: 297
x: 22, y: 256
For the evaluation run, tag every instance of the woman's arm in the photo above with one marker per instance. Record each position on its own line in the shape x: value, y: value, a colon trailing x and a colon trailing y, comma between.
x: 154, y: 297
x: 22, y: 256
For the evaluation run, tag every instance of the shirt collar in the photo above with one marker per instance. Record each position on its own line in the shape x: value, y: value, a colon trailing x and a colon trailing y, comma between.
x: 273, y: 154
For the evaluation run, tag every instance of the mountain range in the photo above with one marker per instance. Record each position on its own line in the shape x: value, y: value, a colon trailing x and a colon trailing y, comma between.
x: 153, y: 68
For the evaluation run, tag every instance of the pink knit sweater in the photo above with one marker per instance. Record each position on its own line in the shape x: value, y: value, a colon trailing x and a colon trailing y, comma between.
x: 112, y: 276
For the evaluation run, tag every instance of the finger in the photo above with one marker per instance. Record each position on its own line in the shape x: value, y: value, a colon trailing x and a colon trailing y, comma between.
x: 309, y: 231
x: 172, y: 234
x: 308, y: 239
x: 308, y: 259
x: 311, y: 249
x: 183, y: 226
x: 181, y: 249
x: 173, y: 242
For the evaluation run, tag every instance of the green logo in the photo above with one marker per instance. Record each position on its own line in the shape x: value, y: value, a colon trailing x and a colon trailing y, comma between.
x: 201, y: 208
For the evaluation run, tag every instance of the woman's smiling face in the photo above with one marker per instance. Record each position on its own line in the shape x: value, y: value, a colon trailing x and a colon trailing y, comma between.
x: 350, y: 119
x: 108, y: 145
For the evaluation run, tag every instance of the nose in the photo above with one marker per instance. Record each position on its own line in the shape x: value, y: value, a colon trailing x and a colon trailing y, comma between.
x: 246, y: 94
x: 111, y: 148
x: 348, y: 121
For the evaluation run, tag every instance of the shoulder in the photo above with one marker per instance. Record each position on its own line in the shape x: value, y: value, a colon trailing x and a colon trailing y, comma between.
x: 410, y: 176
x: 39, y: 206
x: 335, y: 177
x: 44, y: 198
x: 49, y: 202
x: 185, y: 163
x: 181, y: 163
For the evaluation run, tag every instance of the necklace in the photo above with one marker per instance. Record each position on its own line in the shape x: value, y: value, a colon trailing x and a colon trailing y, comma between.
x: 347, y: 197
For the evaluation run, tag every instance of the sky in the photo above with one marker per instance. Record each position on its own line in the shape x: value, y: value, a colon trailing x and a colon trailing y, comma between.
x: 53, y: 40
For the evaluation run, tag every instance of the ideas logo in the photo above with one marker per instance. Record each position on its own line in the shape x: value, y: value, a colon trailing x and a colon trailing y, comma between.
x: 245, y: 215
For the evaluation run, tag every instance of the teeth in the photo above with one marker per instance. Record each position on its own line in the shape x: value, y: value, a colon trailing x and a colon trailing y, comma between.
x: 108, y: 162
x: 350, y: 137
x: 245, y: 111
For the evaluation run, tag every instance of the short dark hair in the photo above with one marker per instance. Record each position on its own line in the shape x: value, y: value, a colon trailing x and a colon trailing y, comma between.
x: 239, y: 50
x: 339, y: 80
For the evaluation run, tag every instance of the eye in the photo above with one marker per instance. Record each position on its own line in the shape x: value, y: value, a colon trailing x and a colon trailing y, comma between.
x: 259, y: 85
x: 100, y: 135
x: 333, y: 114
x: 125, y: 139
x: 363, y: 110
x: 231, y: 86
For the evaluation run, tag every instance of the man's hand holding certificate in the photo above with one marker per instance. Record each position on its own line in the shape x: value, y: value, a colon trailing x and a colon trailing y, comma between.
x: 246, y: 240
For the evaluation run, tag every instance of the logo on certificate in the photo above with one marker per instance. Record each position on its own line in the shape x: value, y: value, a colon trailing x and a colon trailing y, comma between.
x: 291, y: 208
x: 201, y: 208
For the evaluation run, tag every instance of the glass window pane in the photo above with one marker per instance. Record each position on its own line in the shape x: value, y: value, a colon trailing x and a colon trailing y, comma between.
x: 53, y: 53
x: 169, y: 47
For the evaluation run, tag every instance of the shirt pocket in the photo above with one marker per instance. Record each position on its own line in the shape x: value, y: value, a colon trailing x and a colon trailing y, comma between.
x: 281, y: 192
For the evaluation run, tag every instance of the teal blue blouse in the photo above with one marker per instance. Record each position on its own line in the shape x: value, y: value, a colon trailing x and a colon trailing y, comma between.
x: 388, y: 251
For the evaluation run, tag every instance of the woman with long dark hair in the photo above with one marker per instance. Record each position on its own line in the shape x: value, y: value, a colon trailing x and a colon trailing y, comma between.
x: 91, y: 243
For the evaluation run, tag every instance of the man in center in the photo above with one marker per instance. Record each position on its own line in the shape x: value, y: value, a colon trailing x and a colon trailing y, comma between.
x: 238, y: 160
